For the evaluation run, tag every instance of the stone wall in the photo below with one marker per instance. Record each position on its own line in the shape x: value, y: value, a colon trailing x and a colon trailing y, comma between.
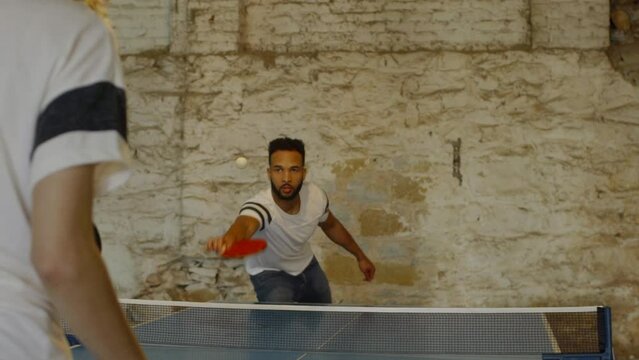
x: 484, y: 153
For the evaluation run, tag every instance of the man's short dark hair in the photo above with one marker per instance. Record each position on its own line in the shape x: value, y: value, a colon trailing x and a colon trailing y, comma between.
x: 287, y: 144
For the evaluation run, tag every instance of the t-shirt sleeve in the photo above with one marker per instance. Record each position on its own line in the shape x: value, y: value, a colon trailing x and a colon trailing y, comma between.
x: 257, y: 209
x: 326, y: 210
x: 83, y: 114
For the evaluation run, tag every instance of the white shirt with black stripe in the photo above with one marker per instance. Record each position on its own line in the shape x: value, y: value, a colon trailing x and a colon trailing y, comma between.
x: 62, y: 104
x: 287, y: 235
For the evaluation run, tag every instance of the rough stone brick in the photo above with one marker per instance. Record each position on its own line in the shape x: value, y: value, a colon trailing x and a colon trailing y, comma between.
x: 390, y: 25
x: 570, y: 24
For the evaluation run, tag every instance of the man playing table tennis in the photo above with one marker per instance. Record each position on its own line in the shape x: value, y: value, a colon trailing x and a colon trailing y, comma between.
x: 286, y: 215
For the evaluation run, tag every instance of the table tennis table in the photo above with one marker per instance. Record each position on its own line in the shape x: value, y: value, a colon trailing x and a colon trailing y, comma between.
x: 181, y: 330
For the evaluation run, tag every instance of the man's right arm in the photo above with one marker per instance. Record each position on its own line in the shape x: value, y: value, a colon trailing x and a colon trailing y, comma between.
x: 242, y: 228
x: 68, y: 262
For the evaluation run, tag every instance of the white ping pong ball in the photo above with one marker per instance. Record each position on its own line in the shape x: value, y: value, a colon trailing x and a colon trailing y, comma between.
x: 241, y: 162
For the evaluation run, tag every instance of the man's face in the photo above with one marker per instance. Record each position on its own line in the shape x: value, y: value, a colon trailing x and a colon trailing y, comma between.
x: 286, y: 173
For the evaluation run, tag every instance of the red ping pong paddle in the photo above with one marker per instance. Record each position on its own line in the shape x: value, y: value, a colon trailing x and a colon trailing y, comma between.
x: 246, y: 247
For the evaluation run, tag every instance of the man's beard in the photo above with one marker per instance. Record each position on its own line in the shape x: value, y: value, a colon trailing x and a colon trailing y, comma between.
x: 281, y: 196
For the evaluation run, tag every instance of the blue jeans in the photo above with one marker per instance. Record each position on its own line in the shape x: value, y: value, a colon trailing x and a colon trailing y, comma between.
x: 311, y: 286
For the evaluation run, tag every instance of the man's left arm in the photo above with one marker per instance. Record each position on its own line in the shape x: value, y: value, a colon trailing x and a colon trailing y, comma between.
x: 338, y: 234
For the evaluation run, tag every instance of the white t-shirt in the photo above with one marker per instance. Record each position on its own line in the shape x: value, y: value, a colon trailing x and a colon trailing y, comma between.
x: 62, y: 104
x: 287, y: 235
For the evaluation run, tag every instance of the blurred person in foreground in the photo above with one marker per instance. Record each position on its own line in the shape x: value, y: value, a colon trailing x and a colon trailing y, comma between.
x: 62, y: 142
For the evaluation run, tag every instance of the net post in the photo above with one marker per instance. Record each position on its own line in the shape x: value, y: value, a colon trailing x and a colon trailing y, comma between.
x: 604, y: 314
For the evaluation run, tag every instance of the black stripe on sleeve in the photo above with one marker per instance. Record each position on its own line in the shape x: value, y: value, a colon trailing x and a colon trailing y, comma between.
x: 268, y: 214
x: 96, y: 107
x: 257, y: 212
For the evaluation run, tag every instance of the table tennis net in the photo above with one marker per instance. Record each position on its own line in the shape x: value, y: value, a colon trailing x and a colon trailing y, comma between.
x: 368, y: 329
